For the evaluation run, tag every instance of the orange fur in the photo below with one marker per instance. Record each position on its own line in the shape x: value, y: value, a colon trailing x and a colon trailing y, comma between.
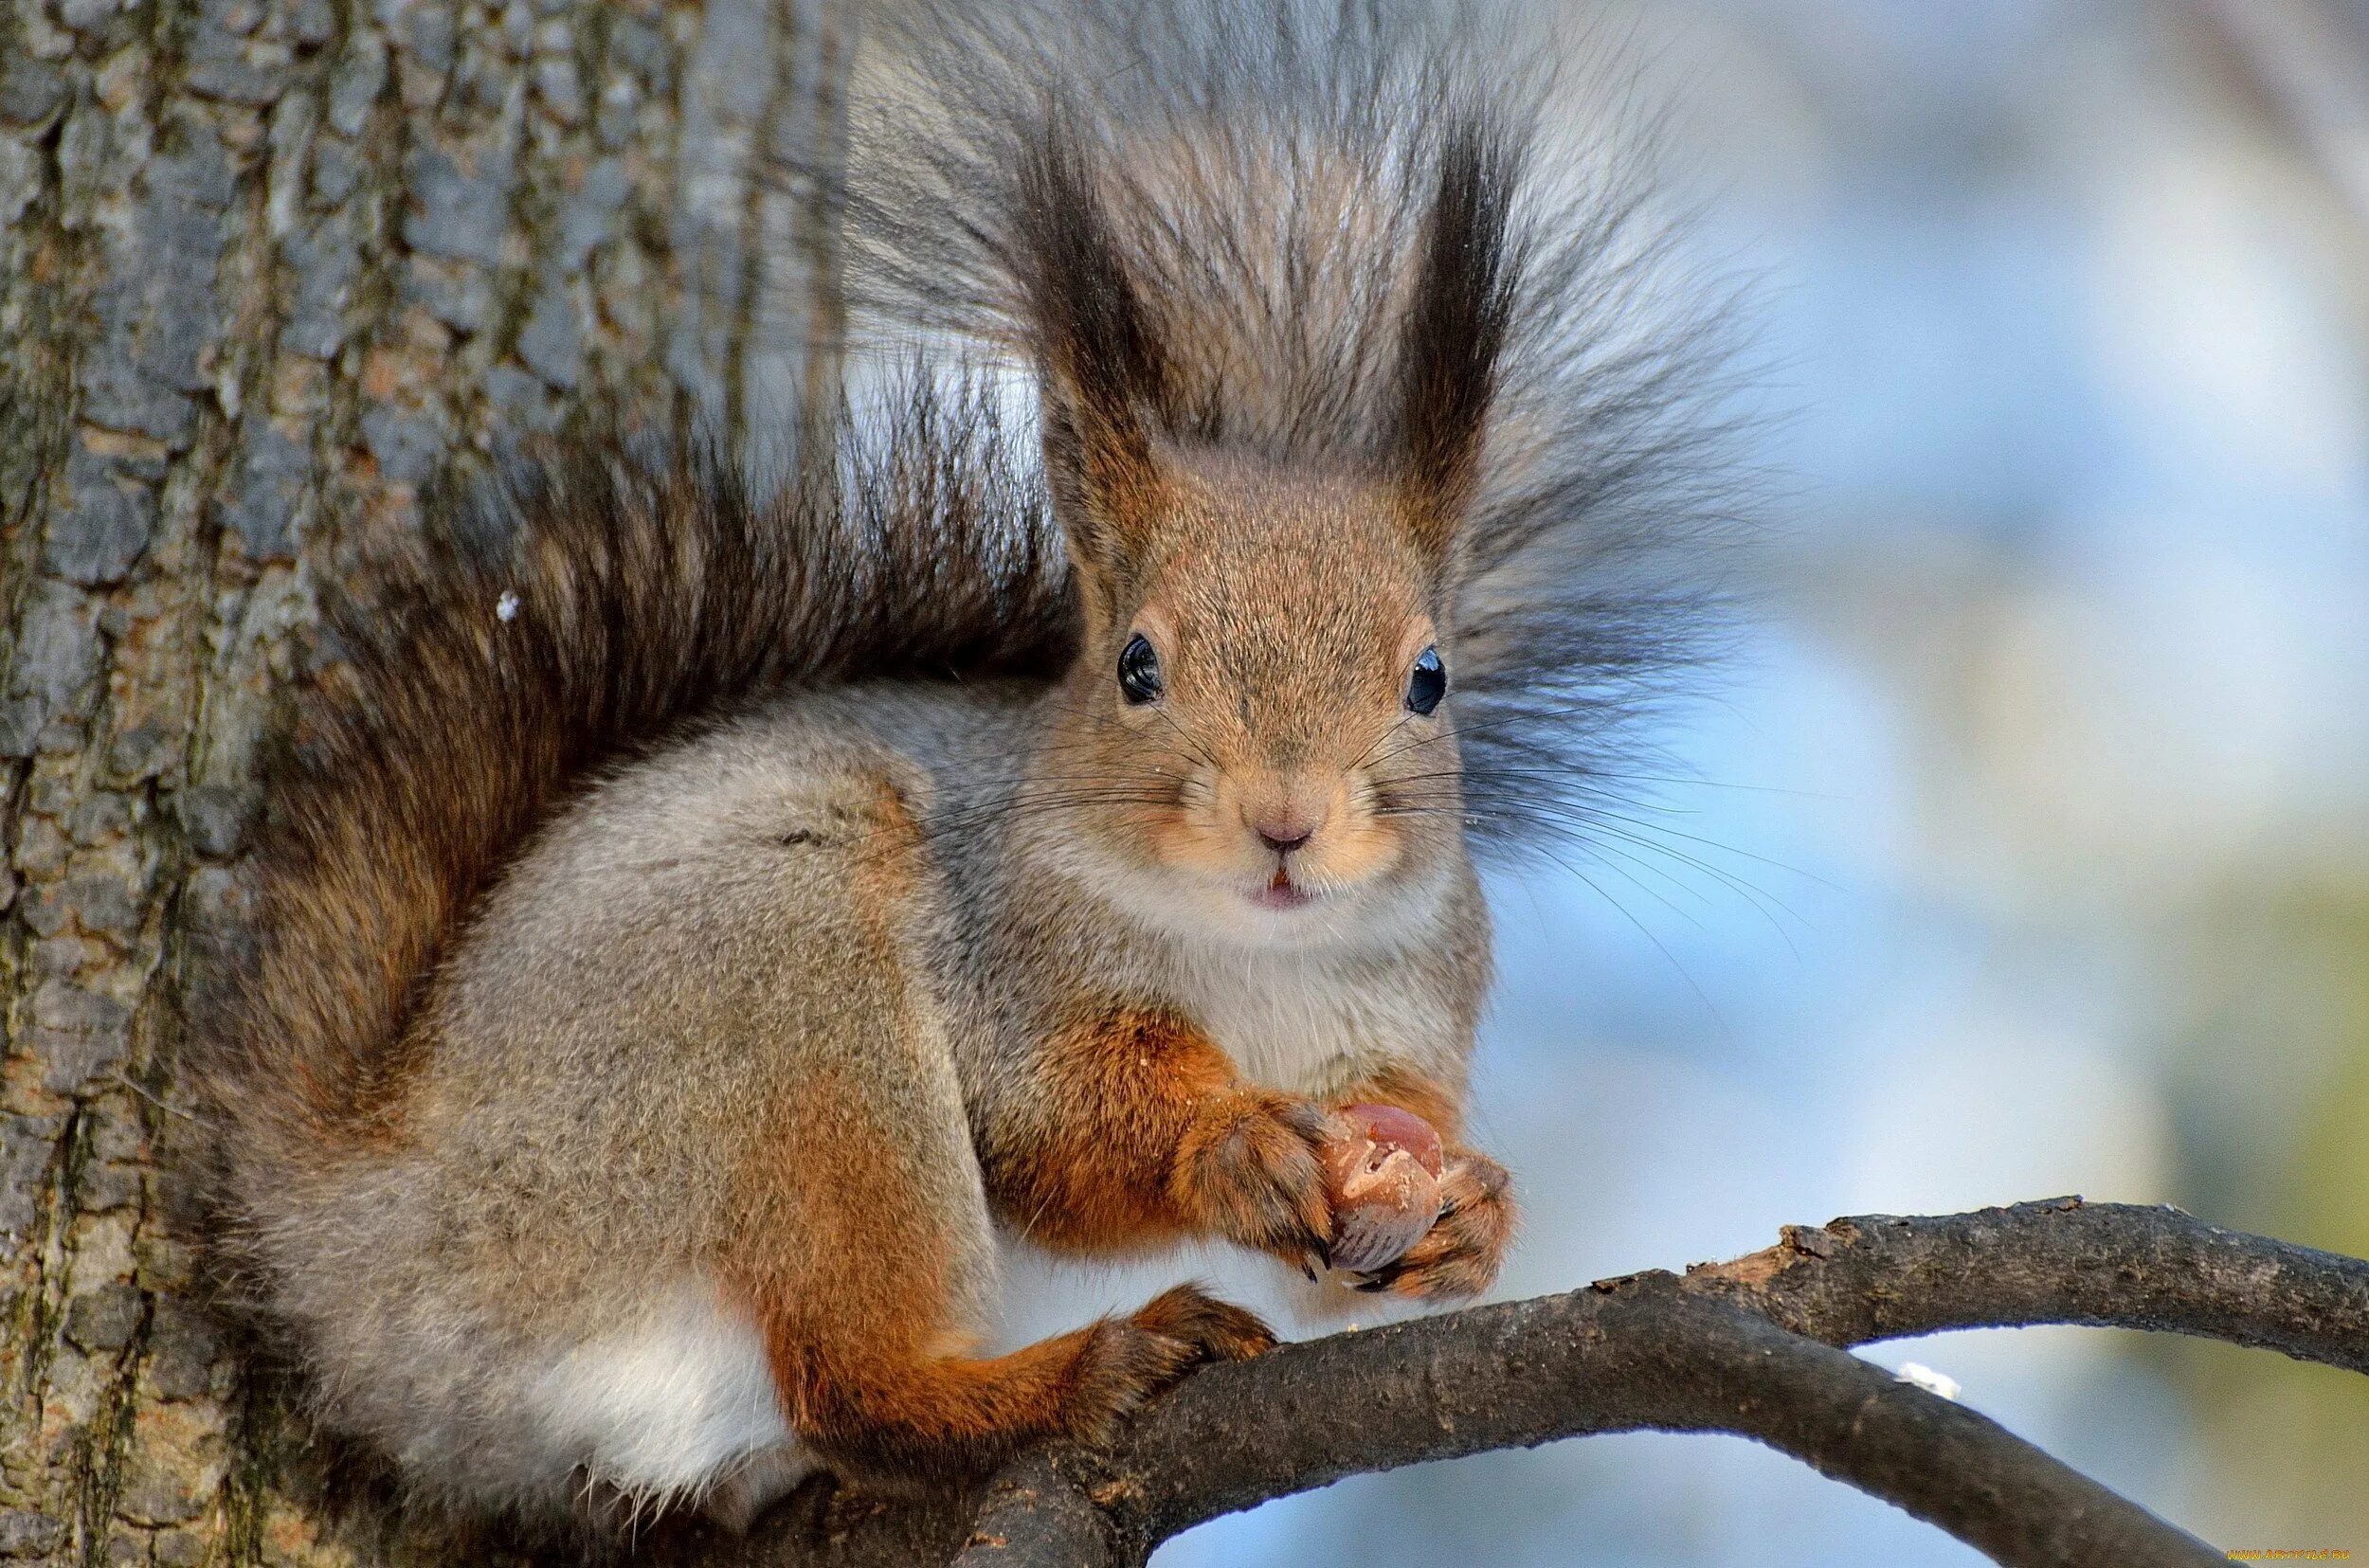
x: 858, y: 1315
x: 1150, y: 1137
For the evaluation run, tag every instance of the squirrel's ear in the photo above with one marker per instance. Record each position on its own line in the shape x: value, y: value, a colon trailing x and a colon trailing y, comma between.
x: 1102, y: 367
x: 1456, y: 328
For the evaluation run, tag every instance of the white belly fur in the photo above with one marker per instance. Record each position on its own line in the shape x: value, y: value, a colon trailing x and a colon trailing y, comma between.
x: 1299, y: 1027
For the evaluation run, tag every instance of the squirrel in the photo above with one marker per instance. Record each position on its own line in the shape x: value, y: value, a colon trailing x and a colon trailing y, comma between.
x: 693, y: 925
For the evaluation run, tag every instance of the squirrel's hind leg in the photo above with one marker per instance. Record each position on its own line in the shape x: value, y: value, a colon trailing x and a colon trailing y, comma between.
x: 867, y: 1330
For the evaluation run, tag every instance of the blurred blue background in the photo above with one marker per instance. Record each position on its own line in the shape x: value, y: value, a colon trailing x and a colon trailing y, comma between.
x: 2030, y: 853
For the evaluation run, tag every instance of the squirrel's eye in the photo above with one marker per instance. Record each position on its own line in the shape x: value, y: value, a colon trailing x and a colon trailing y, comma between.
x: 1139, y: 670
x: 1428, y: 684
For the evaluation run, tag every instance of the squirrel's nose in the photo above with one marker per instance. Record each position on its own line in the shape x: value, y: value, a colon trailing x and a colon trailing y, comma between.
x: 1279, y: 841
x: 1283, y: 825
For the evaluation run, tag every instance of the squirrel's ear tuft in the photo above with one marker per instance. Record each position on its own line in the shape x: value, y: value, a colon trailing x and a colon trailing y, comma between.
x: 1103, y: 369
x: 1460, y: 312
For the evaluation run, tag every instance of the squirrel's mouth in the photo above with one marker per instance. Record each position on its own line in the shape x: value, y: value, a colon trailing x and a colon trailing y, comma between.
x: 1282, y: 892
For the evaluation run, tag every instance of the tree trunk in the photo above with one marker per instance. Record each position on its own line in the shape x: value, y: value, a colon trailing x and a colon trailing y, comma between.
x: 268, y: 267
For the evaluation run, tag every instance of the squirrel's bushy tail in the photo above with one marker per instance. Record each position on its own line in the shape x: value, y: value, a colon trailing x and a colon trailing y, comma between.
x: 548, y: 625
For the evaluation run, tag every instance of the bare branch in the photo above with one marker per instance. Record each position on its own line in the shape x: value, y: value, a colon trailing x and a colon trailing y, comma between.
x: 1746, y: 1347
x: 1650, y: 1355
x: 2104, y: 1265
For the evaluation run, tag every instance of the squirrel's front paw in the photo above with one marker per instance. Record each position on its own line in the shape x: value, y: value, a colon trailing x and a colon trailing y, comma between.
x: 1459, y: 1255
x: 1249, y: 1171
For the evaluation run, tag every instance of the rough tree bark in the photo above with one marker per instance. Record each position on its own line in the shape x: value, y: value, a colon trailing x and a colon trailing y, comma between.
x: 265, y: 267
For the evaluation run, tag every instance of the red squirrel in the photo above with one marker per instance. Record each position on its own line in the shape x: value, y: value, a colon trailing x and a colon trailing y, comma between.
x: 697, y: 922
